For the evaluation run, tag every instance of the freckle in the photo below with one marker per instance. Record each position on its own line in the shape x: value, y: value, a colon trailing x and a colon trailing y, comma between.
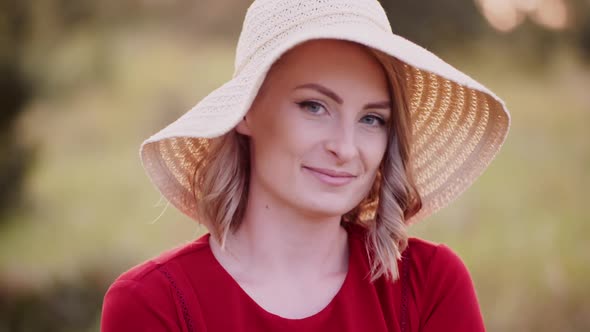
x: 266, y: 207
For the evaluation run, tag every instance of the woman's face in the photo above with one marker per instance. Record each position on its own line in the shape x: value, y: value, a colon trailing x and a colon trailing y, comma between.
x: 318, y: 129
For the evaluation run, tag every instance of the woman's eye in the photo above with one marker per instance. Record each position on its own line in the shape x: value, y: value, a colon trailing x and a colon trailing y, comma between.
x: 373, y: 120
x: 312, y: 107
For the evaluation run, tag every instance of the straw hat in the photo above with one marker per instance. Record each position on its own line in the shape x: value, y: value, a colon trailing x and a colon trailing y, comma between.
x: 458, y: 124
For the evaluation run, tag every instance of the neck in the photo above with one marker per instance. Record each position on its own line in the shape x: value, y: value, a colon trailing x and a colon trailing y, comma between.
x: 276, y: 239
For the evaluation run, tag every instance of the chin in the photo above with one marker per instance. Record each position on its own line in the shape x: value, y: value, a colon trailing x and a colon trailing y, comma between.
x: 328, y: 207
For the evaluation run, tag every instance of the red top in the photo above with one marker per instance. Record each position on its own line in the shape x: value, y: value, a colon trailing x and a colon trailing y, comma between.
x: 186, y: 289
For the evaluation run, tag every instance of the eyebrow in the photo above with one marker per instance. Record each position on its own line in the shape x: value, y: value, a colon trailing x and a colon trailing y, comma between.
x: 331, y: 94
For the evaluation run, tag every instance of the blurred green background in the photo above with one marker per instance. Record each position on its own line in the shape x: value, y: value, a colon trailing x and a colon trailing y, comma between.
x: 83, y: 83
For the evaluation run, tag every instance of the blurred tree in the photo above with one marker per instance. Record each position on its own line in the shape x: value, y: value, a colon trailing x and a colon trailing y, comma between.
x: 584, y: 40
x: 15, y: 90
x: 65, y: 306
x: 436, y: 25
x: 581, y: 27
x: 458, y: 23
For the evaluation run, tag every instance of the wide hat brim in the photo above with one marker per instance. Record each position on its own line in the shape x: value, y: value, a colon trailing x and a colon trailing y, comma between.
x: 458, y: 124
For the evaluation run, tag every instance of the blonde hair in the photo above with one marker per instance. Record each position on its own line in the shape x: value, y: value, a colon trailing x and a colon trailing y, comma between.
x: 398, y: 198
x: 224, y: 182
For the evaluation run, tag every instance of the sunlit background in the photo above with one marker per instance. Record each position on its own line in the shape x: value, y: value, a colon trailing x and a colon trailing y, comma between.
x: 83, y: 83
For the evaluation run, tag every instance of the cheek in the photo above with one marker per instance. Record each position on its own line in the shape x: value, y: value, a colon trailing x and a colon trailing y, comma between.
x: 278, y: 138
x: 374, y: 151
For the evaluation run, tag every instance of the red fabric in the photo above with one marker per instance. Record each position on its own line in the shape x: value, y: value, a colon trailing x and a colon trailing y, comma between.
x: 186, y: 289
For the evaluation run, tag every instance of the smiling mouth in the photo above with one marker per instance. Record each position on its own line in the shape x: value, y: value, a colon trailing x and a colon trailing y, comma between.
x: 330, y: 177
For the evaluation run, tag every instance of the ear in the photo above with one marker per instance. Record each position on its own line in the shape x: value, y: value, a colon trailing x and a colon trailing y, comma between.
x: 243, y: 127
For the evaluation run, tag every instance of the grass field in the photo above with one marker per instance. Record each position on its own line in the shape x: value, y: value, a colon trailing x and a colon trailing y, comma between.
x: 521, y: 229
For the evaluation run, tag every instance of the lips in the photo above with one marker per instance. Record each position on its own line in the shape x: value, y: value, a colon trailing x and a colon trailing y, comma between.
x: 331, y: 177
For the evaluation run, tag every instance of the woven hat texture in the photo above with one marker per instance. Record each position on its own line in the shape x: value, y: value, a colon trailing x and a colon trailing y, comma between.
x: 458, y: 124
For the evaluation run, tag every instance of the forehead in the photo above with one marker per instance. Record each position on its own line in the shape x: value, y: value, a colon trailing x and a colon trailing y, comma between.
x: 334, y: 62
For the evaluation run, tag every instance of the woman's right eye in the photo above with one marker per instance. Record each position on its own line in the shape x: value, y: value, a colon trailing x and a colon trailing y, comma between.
x: 312, y: 107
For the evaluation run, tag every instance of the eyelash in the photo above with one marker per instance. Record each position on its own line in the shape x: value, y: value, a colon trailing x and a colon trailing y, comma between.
x: 379, y: 119
x: 306, y: 104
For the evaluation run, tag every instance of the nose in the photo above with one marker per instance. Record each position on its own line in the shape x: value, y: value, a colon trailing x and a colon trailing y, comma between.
x: 341, y: 143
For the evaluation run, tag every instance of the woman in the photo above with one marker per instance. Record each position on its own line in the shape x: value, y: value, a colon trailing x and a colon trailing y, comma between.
x: 332, y: 137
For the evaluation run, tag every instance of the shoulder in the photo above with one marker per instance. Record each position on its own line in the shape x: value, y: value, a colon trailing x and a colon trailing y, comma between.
x: 435, y: 264
x: 443, y: 287
x: 424, y: 255
x: 148, y: 293
x: 173, y: 259
x: 431, y: 255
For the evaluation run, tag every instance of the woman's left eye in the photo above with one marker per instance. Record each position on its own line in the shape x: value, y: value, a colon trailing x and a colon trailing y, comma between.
x: 373, y: 120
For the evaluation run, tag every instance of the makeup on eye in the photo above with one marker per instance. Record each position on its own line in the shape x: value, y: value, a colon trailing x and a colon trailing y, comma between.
x: 310, y: 105
x: 315, y: 108
x: 385, y: 105
x: 380, y: 121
